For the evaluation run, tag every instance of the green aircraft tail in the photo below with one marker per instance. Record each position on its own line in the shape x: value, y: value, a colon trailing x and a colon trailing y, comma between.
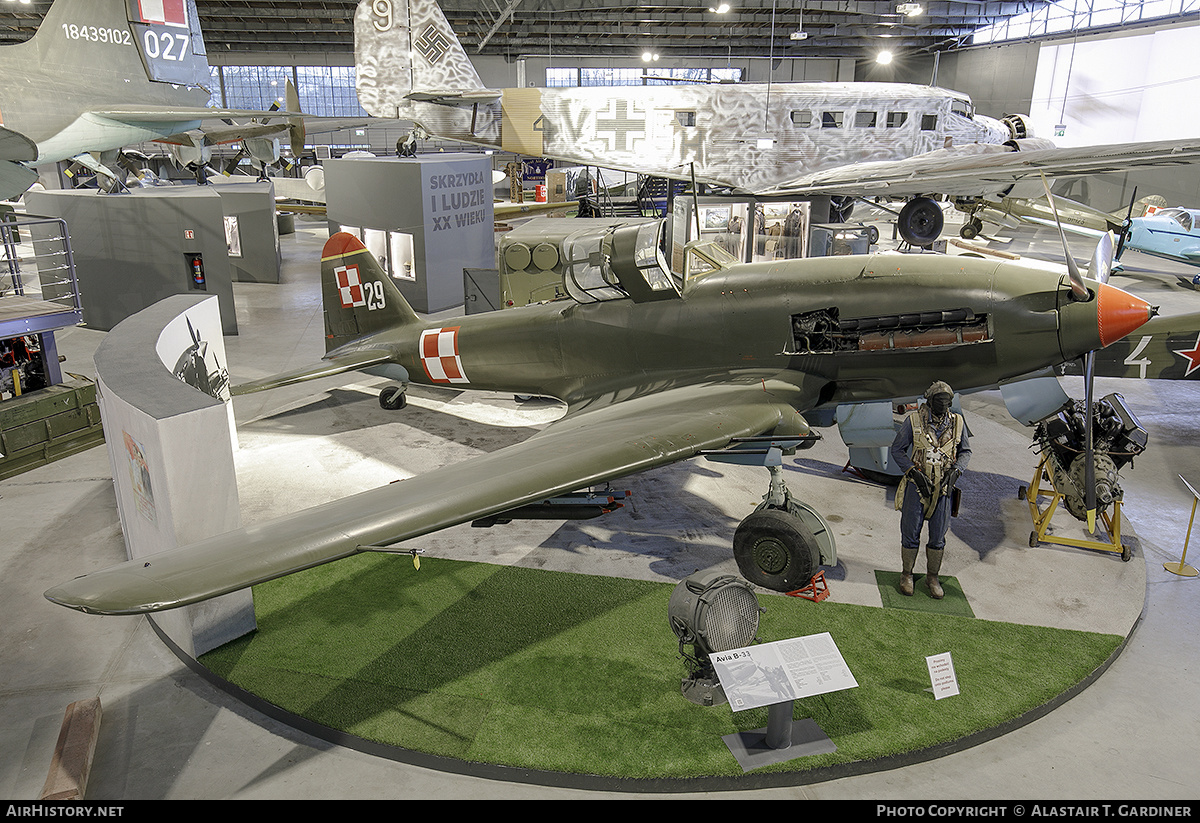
x: 359, y: 297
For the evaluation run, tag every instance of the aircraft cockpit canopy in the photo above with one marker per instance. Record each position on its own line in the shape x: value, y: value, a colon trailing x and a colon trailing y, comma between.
x: 618, y: 262
x: 1185, y: 218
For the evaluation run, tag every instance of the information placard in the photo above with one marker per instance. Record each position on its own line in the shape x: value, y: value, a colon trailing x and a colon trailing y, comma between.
x: 770, y: 673
x: 941, y: 675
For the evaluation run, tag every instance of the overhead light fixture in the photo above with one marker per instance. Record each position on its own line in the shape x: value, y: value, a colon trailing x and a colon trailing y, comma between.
x: 799, y: 35
x: 711, y: 612
x: 648, y: 56
x: 883, y: 58
x: 721, y: 8
x: 909, y: 9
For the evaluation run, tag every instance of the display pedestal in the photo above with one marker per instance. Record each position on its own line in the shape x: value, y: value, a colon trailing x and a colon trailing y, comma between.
x: 251, y: 231
x: 425, y: 219
x: 782, y: 739
x: 134, y: 249
x: 171, y: 450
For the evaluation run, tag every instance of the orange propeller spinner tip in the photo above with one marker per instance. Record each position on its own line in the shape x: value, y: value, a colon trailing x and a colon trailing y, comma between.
x: 1120, y: 313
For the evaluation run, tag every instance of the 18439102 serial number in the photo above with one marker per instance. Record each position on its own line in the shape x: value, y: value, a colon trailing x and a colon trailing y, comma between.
x: 157, y: 45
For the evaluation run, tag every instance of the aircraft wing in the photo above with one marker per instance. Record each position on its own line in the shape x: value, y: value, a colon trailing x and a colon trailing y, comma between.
x: 984, y: 169
x: 582, y: 449
x: 15, y: 150
x: 329, y: 366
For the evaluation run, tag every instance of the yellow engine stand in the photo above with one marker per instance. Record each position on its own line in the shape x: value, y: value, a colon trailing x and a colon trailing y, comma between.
x: 1041, y: 518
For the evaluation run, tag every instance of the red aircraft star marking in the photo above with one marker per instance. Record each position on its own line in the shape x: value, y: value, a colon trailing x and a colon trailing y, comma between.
x: 1192, y: 355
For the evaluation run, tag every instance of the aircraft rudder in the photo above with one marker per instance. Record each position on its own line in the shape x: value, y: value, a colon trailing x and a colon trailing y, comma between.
x: 401, y: 46
x: 358, y: 296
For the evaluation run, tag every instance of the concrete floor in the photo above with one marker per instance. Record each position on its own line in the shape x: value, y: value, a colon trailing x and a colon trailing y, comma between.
x: 168, y: 734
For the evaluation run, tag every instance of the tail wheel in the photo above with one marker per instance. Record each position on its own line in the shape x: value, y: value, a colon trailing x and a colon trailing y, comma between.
x: 392, y: 398
x: 776, y: 550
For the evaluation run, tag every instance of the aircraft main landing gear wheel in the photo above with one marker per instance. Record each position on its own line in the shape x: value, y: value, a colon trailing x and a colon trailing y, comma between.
x: 776, y: 550
x: 920, y: 221
x: 393, y: 398
x: 970, y: 229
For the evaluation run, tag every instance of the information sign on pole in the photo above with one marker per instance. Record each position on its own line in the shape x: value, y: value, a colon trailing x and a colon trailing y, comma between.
x: 762, y: 675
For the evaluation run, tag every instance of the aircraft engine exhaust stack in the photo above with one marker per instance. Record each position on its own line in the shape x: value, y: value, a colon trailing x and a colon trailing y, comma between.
x: 711, y: 612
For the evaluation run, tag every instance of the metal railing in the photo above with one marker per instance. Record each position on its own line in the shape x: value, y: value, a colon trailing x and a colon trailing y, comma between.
x: 37, y: 276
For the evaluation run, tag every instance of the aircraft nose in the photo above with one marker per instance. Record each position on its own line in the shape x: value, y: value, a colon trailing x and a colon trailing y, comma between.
x: 1119, y: 313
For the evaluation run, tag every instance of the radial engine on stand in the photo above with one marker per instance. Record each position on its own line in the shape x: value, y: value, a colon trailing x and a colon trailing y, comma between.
x: 1117, y: 438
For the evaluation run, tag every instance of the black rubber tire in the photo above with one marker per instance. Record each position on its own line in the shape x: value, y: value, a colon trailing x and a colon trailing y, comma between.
x: 921, y: 221
x: 392, y: 398
x: 776, y: 550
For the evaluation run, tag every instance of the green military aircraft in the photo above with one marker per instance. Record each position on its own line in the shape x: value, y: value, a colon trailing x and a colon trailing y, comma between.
x: 722, y: 361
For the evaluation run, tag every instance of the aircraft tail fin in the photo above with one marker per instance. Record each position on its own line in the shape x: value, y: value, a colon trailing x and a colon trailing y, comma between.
x: 407, y: 46
x: 359, y: 297
x: 111, y: 41
x: 1142, y: 206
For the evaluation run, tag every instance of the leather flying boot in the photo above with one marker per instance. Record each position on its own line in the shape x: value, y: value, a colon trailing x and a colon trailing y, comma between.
x: 908, y: 557
x: 933, y: 561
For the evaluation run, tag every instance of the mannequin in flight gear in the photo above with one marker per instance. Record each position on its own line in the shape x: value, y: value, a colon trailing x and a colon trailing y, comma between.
x: 932, y: 450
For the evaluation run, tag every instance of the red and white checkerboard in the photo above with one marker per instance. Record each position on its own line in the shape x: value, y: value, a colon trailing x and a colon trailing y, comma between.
x: 439, y: 355
x: 350, y: 287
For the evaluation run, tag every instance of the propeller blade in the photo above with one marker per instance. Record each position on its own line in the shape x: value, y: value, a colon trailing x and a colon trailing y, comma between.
x: 1127, y: 227
x: 296, y: 134
x: 1077, y: 285
x: 1089, y: 468
x: 1102, y: 258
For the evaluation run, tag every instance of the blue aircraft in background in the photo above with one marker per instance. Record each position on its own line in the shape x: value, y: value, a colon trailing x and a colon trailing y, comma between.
x: 1172, y: 233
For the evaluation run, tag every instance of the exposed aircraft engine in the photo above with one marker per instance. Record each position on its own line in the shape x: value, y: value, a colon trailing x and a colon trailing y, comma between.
x: 1117, y: 439
x: 1019, y: 126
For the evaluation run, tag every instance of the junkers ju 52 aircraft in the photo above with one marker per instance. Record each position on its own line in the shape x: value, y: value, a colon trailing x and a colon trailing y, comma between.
x: 722, y: 362
x: 100, y: 75
x: 844, y: 140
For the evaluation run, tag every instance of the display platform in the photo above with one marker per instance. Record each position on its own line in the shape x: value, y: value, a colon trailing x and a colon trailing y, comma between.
x: 452, y: 676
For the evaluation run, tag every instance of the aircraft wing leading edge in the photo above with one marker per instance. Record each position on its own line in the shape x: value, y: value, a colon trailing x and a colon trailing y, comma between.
x: 971, y: 171
x: 583, y: 449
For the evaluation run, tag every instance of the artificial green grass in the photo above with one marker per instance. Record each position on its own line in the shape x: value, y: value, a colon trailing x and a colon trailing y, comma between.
x: 580, y: 674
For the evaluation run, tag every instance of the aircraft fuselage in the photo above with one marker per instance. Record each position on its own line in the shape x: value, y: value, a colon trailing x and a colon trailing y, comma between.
x: 748, y: 137
x: 836, y: 330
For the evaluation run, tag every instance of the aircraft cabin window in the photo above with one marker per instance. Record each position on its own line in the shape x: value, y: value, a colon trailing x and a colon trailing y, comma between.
x: 1185, y: 220
x: 831, y: 120
x: 929, y: 122
x: 802, y: 118
x: 961, y: 107
x: 686, y: 118
x: 896, y: 119
x: 865, y: 119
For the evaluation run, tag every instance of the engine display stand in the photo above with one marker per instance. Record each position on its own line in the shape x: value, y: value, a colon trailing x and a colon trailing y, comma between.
x: 1041, y: 518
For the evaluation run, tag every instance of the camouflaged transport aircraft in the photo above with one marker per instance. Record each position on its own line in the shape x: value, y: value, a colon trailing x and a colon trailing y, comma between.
x: 845, y: 140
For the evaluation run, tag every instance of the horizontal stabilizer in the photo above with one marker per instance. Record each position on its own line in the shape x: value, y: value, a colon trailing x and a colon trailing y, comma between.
x: 455, y: 98
x: 15, y: 149
x: 333, y: 365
